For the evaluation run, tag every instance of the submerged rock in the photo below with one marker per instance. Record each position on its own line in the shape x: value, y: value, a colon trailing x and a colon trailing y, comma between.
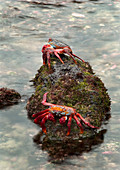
x: 8, y: 97
x: 74, y: 86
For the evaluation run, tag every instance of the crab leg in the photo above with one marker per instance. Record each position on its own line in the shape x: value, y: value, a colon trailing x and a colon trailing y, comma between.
x: 40, y: 117
x: 50, y: 117
x: 48, y: 57
x: 44, y: 58
x: 44, y: 100
x: 58, y: 56
x: 78, y: 123
x: 78, y: 57
x: 69, y: 124
x: 86, y: 123
x: 40, y: 113
x: 43, y: 124
x: 70, y: 56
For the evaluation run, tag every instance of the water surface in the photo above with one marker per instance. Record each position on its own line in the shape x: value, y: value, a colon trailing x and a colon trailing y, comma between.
x: 92, y: 29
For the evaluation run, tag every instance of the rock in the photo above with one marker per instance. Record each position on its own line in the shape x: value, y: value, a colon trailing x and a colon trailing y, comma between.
x: 8, y: 97
x: 74, y: 86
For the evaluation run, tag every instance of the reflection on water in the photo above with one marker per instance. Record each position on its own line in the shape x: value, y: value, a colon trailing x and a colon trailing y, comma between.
x: 58, y: 150
x: 92, y: 29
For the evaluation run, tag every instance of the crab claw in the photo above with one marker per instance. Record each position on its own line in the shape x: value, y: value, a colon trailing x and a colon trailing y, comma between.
x: 63, y: 119
x: 51, y: 117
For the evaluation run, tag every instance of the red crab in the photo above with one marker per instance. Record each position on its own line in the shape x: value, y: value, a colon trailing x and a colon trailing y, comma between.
x: 63, y: 112
x: 57, y: 47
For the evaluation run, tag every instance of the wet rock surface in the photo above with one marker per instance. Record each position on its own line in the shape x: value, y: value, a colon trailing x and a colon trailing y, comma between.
x: 8, y: 97
x: 74, y: 86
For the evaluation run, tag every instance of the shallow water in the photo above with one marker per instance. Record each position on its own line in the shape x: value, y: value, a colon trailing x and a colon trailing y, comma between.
x: 92, y: 29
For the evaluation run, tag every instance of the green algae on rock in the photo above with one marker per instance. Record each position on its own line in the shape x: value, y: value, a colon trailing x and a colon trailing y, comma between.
x: 70, y: 85
x: 8, y: 97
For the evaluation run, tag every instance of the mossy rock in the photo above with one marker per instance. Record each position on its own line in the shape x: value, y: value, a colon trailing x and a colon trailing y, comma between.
x: 8, y: 97
x: 73, y: 85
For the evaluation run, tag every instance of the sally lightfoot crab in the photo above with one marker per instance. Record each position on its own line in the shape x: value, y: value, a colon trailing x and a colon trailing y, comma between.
x: 64, y: 112
x: 57, y: 47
